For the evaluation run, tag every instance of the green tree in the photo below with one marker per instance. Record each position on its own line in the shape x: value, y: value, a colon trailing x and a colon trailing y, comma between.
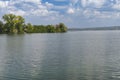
x: 16, y: 24
x: 62, y: 27
x: 19, y: 24
x: 50, y: 29
x: 29, y: 28
x: 58, y: 30
x: 13, y: 23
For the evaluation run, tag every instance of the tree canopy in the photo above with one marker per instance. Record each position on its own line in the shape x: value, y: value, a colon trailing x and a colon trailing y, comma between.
x: 16, y: 24
x: 13, y: 23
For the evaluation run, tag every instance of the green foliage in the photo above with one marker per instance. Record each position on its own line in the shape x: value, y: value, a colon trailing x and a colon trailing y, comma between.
x: 62, y: 27
x: 50, y: 29
x: 39, y: 29
x: 19, y: 24
x: 13, y: 23
x: 16, y: 24
x: 1, y: 27
x: 28, y: 28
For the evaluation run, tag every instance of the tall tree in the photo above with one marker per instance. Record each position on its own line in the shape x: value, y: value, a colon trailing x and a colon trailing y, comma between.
x: 13, y: 23
x: 62, y: 27
x: 19, y: 24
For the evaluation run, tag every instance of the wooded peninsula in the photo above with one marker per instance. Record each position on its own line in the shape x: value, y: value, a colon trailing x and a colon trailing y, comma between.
x: 16, y: 24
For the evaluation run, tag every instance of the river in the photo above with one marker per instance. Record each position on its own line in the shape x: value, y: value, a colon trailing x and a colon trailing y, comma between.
x: 75, y: 55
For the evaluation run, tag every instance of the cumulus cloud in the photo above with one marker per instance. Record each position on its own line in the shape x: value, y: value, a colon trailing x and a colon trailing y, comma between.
x: 97, y: 14
x: 95, y: 8
x: 86, y: 9
x: 49, y: 5
x: 27, y: 7
x: 70, y: 11
x: 3, y: 4
x: 33, y: 1
x: 116, y: 5
x: 36, y: 7
x: 93, y: 3
x: 74, y: 1
x: 60, y: 0
x: 18, y: 12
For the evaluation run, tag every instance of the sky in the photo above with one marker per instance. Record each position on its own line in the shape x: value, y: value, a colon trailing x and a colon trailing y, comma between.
x: 74, y: 13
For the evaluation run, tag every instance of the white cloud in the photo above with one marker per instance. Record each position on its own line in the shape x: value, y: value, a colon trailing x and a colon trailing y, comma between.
x: 32, y: 1
x: 18, y: 12
x: 74, y: 1
x: 84, y: 3
x: 39, y: 12
x: 95, y: 14
x: 3, y: 4
x: 60, y: 0
x: 116, y: 5
x: 70, y: 11
x: 93, y: 3
x: 24, y: 8
x: 49, y: 5
x: 78, y: 10
x: 90, y: 9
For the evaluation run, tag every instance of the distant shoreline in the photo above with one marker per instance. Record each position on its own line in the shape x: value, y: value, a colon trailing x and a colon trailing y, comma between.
x: 94, y: 28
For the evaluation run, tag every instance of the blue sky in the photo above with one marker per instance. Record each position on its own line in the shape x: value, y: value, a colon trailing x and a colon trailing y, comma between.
x: 74, y: 13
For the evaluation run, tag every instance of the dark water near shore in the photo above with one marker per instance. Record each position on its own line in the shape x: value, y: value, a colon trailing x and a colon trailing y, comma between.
x: 85, y: 55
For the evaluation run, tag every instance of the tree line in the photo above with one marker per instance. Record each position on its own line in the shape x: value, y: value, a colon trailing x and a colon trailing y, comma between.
x: 16, y: 24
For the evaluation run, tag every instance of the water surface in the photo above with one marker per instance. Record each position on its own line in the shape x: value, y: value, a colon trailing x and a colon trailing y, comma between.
x: 80, y: 55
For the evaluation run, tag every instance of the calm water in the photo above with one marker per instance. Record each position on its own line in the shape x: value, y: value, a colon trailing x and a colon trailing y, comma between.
x: 86, y: 55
